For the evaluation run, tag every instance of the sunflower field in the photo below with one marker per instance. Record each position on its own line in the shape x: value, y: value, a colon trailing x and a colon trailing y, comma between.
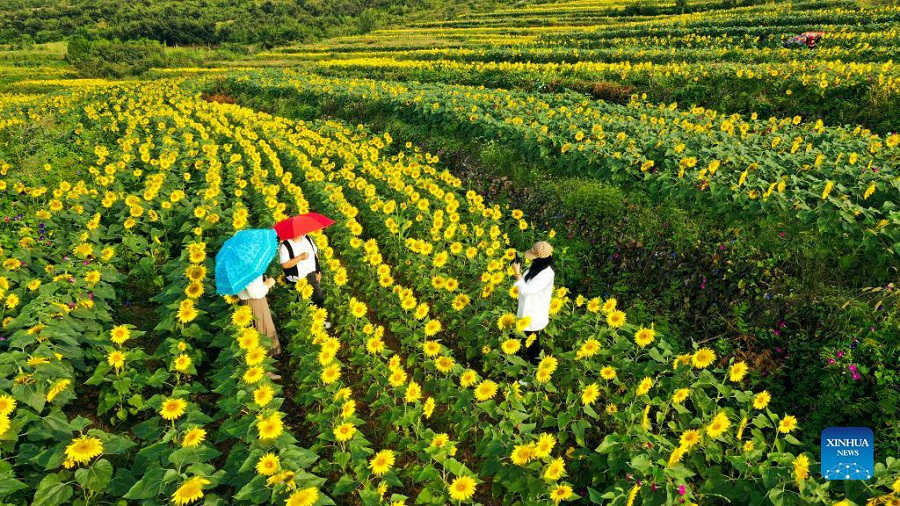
x: 726, y: 226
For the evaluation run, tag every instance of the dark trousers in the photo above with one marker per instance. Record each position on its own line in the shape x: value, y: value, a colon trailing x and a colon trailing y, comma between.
x: 318, y: 298
x: 532, y: 353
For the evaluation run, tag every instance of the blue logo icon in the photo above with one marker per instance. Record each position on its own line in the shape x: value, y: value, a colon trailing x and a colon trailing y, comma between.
x: 848, y: 453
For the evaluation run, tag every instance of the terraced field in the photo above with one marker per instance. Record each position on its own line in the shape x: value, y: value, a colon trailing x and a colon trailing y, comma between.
x: 724, y: 213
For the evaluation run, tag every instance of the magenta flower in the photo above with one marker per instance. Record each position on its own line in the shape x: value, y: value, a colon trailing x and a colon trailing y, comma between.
x: 682, y: 490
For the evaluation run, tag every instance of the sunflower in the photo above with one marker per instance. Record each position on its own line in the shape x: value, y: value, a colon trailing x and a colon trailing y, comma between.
x: 193, y: 438
x: 263, y: 395
x: 444, y: 364
x: 91, y: 278
x: 344, y: 432
x: 460, y: 302
x: 382, y: 462
x: 615, y: 319
x: 439, y: 440
x: 57, y: 388
x: 787, y: 424
x: 186, y: 311
x: 119, y: 334
x: 268, y: 464
x: 737, y: 371
x: 248, y: 338
x: 680, y: 395
x: 548, y: 364
x: 270, y: 427
x: 432, y: 327
x: 348, y: 408
x: 462, y: 488
x: 82, y: 449
x: 561, y: 493
x: 190, y: 491
x: 242, y: 317
x: 544, y: 445
x: 253, y: 375
x: 485, y: 390
x: 523, y: 323
x: 4, y: 424
x: 195, y: 273
x: 172, y: 409
x: 116, y: 359
x: 689, y: 438
x: 397, y: 378
x: 431, y: 348
x: 588, y: 349
x: 193, y: 290
x: 374, y: 345
x: 7, y: 404
x: 428, y: 407
x: 468, y: 378
x: 644, y: 336
x: 718, y: 425
x: 522, y: 454
x: 608, y: 373
x: 644, y: 386
x: 555, y: 470
x: 702, y: 358
x: 590, y: 394
x: 801, y: 468
x: 609, y: 305
x: 761, y: 400
x: 413, y: 393
x: 256, y: 355
x: 182, y: 363
x: 511, y: 346
x: 304, y: 497
x: 506, y: 321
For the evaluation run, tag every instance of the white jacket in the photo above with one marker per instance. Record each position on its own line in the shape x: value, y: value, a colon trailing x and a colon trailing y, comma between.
x: 534, y: 298
x: 299, y: 247
x: 256, y: 289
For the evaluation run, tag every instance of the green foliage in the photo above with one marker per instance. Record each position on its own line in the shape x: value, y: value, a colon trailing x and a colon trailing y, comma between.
x: 114, y: 58
x: 268, y: 22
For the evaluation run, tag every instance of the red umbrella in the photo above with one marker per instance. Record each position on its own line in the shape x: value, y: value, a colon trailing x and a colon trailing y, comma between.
x: 301, y: 224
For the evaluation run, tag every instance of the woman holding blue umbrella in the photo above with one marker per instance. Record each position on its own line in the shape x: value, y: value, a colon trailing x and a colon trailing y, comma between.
x: 240, y: 268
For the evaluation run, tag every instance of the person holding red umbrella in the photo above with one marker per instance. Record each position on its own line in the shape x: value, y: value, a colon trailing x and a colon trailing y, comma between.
x: 298, y: 253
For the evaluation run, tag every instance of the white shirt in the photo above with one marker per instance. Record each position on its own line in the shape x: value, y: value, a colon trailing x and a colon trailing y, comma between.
x: 300, y: 246
x: 534, y: 298
x: 255, y: 289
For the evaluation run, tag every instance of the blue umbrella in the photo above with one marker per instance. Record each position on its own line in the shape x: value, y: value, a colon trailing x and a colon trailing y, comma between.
x: 243, y: 258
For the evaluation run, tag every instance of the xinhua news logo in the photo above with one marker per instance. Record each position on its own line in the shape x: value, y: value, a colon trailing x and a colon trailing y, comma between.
x: 848, y: 453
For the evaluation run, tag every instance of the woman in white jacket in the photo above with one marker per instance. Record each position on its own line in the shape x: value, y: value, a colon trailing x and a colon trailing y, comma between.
x: 535, y: 291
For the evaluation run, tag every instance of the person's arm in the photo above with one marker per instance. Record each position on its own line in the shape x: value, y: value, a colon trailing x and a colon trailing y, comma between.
x: 286, y: 261
x: 294, y: 261
x: 536, y: 284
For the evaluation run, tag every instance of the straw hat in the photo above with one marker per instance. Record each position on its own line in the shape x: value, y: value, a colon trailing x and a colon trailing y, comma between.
x: 541, y: 249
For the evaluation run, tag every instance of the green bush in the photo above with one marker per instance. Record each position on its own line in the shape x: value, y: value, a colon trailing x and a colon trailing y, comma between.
x: 114, y: 58
x: 591, y: 199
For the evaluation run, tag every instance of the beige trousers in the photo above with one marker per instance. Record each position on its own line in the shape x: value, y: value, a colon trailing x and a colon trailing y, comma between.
x: 263, y: 317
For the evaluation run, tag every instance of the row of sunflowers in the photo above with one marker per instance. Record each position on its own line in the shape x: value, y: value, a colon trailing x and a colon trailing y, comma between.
x: 415, y: 393
x: 836, y: 180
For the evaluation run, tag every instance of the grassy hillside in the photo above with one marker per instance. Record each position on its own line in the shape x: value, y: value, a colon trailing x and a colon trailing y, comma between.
x: 267, y: 22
